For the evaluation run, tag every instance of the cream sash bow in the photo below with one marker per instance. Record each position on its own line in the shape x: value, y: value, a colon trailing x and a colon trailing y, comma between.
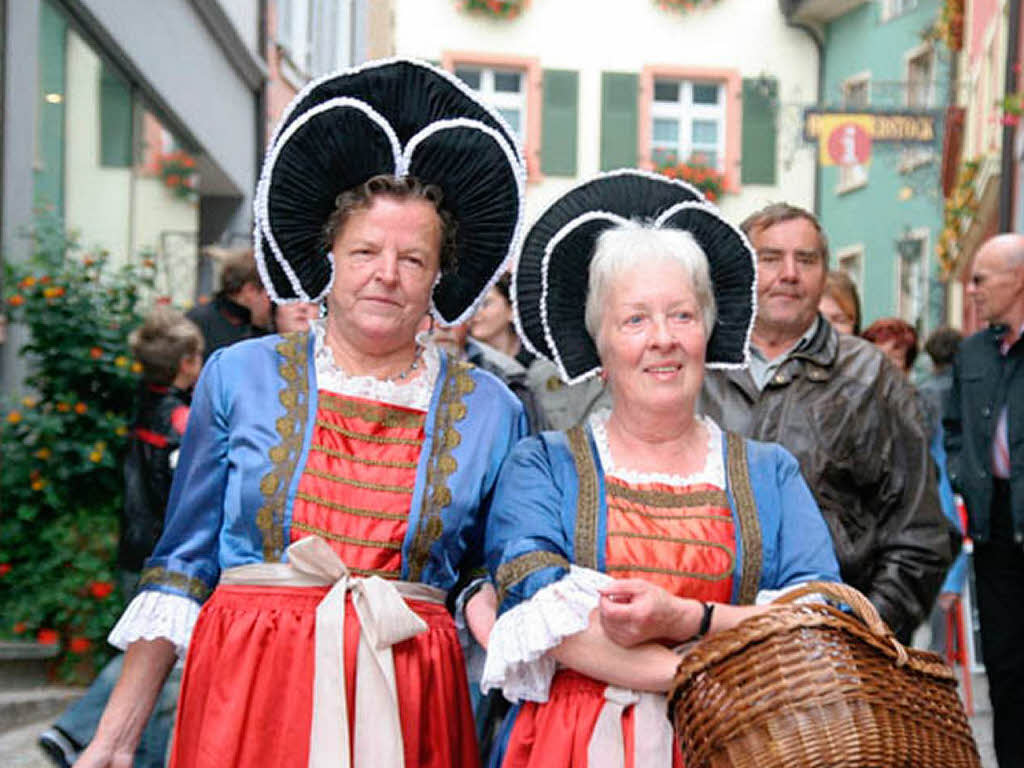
x: 653, y: 732
x: 384, y: 618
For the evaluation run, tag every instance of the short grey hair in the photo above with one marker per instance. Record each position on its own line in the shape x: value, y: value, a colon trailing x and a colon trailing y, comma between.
x: 623, y: 247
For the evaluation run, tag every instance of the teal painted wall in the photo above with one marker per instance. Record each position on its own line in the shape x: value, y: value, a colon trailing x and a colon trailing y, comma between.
x: 876, y: 215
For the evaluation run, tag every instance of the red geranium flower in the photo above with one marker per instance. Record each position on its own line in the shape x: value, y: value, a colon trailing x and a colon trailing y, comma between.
x: 100, y: 589
x: 47, y: 636
x: 96, y: 353
x: 20, y: 627
x: 79, y: 644
x: 5, y: 568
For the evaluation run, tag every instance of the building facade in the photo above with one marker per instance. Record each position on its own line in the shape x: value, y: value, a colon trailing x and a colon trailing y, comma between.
x: 594, y: 85
x: 883, y: 213
x: 143, y: 125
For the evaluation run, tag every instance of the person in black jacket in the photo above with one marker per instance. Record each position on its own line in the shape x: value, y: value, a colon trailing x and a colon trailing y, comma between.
x: 984, y: 423
x: 240, y: 310
x: 170, y: 349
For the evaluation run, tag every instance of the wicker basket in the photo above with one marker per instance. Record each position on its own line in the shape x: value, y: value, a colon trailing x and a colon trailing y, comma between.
x: 807, y: 686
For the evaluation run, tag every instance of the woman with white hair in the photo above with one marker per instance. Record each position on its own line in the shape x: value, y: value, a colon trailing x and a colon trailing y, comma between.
x: 646, y: 526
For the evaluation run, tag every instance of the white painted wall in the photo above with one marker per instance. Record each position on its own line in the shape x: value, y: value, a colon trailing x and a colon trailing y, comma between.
x: 595, y: 36
x: 245, y: 16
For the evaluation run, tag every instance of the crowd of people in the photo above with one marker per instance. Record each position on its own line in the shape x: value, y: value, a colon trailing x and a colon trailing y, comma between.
x: 428, y: 513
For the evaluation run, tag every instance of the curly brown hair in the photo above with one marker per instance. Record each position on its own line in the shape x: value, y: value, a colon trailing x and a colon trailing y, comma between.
x: 400, y: 188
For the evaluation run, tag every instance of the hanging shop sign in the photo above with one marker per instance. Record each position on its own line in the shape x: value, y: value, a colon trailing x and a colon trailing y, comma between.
x: 845, y: 138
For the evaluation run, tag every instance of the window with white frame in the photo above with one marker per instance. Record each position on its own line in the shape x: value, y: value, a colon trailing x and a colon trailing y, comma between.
x: 316, y: 35
x: 688, y: 122
x: 856, y: 95
x: 893, y: 8
x: 851, y: 261
x: 920, y: 78
x: 503, y: 88
x: 911, y: 277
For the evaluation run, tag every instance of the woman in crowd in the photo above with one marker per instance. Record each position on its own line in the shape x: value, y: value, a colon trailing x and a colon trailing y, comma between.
x: 333, y: 484
x: 840, y: 303
x: 492, y: 324
x: 897, y: 339
x: 646, y: 526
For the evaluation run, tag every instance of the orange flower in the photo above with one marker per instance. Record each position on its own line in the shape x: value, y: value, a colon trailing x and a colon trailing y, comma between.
x: 45, y: 279
x: 16, y: 300
x: 96, y: 353
x: 88, y: 261
x: 63, y: 407
x: 53, y: 292
x: 96, y: 457
x: 136, y: 367
x: 81, y: 408
x: 79, y: 645
x: 14, y: 417
x: 100, y: 589
x: 121, y: 431
x: 5, y: 568
x: 28, y: 282
x: 120, y: 361
x: 28, y: 402
x: 47, y: 636
x: 38, y: 484
x: 43, y: 454
x: 148, y: 263
x: 20, y: 627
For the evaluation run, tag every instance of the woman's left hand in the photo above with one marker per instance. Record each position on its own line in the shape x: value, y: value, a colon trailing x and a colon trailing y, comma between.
x: 634, y: 611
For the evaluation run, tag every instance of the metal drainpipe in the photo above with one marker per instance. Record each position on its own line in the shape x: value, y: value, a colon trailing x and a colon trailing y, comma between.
x: 1006, y: 188
x: 820, y: 45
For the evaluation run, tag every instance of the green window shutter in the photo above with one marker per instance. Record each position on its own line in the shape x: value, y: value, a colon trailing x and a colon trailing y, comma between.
x: 760, y: 132
x: 116, y: 120
x: 558, y: 140
x: 619, y: 117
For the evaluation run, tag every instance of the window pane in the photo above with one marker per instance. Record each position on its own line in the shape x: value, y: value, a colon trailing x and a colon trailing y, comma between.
x: 470, y: 77
x: 702, y: 156
x: 705, y: 93
x: 666, y: 91
x: 507, y: 82
x: 662, y: 156
x: 116, y: 119
x: 705, y: 132
x: 666, y: 131
x: 514, y: 118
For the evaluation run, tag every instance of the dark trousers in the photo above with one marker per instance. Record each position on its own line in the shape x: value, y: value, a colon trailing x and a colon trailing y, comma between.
x: 999, y: 573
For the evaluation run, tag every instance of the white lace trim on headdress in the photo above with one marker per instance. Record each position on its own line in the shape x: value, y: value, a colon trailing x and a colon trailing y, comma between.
x: 713, y: 472
x: 517, y: 658
x: 414, y: 393
x: 153, y: 614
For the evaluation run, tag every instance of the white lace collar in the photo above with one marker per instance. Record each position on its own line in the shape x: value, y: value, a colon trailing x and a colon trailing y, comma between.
x: 713, y: 472
x: 406, y: 394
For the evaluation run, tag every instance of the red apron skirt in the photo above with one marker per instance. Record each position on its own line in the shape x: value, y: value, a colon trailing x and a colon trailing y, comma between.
x: 556, y: 733
x: 247, y: 691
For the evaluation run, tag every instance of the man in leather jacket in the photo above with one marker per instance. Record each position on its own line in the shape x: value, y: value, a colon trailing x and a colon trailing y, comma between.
x: 984, y: 434
x: 850, y: 418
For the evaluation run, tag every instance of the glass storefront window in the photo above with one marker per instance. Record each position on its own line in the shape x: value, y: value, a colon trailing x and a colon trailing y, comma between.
x: 108, y: 166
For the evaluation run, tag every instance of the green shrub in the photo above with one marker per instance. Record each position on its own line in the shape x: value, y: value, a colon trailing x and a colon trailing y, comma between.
x: 61, y: 480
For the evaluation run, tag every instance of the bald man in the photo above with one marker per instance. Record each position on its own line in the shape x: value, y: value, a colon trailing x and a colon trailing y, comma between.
x: 984, y: 423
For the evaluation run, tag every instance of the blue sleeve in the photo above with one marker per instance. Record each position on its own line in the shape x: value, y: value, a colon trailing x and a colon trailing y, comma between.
x: 526, y: 545
x: 185, y: 560
x: 957, y: 575
x: 804, y: 549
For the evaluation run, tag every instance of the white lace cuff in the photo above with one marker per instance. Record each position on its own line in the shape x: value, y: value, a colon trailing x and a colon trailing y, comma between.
x: 766, y: 596
x: 153, y: 614
x: 517, y: 660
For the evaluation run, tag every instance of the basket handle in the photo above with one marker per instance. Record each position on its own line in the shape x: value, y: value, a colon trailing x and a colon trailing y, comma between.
x: 861, y: 606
